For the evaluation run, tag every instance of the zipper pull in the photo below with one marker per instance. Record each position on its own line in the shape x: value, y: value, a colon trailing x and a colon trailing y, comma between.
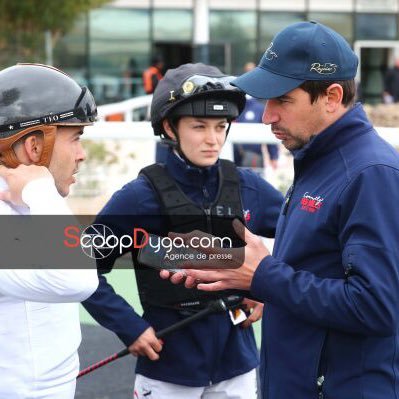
x: 320, y: 382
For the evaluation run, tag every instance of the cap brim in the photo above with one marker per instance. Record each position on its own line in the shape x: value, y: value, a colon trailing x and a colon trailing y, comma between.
x: 261, y: 83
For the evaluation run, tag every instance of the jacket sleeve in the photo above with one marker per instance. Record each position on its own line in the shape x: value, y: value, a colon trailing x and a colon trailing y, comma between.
x: 49, y: 283
x: 107, y: 307
x: 114, y: 313
x: 366, y: 301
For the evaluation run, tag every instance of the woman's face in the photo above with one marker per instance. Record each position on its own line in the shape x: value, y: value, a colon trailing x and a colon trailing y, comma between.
x: 201, y: 139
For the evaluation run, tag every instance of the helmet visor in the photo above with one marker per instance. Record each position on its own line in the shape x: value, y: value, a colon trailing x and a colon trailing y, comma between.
x: 84, y: 113
x: 85, y: 107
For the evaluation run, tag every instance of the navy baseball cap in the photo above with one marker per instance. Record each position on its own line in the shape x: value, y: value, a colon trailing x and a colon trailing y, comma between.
x: 302, y: 51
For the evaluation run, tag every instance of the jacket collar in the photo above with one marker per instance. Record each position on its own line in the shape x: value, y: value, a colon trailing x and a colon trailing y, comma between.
x: 191, y: 175
x: 352, y: 124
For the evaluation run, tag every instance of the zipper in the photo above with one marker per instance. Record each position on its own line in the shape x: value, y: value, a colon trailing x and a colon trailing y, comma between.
x: 281, y: 229
x: 320, y: 382
x: 290, y: 192
x: 205, y: 194
x: 206, y: 206
x: 288, y: 198
x: 322, y: 368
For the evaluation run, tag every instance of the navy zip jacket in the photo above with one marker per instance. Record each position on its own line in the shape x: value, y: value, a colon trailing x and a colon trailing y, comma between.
x: 331, y: 287
x: 209, y: 350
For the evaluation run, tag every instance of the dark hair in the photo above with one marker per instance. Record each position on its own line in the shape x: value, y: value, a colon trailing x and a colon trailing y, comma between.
x: 156, y: 59
x: 318, y: 88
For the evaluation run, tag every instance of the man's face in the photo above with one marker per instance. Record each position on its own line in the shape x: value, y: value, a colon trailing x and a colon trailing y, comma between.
x: 67, y: 154
x: 293, y: 119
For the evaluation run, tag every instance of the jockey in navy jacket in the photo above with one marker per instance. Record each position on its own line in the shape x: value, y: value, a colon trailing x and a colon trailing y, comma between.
x: 209, y: 350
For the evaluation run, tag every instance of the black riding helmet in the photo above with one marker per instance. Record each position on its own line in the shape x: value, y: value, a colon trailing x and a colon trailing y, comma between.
x: 35, y: 97
x: 194, y: 90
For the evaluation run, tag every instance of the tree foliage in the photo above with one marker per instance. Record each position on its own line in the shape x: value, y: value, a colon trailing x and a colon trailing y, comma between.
x: 23, y: 23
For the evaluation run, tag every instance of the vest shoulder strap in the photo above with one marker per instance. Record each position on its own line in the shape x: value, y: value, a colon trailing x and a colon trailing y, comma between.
x: 229, y: 171
x: 173, y: 200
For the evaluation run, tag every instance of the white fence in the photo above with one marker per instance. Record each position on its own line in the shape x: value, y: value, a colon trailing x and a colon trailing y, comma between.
x: 126, y: 147
x: 253, y: 133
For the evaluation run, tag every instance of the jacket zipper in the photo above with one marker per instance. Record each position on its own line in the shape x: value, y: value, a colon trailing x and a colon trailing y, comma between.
x: 206, y: 207
x: 208, y: 220
x: 297, y: 167
x: 288, y: 198
x: 287, y: 202
x: 322, y: 368
x: 320, y: 382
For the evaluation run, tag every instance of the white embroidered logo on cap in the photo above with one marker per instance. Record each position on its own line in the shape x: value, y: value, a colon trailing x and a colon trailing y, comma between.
x: 324, y: 69
x: 270, y: 54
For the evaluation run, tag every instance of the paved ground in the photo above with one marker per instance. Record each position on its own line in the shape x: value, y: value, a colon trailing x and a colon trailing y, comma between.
x: 113, y: 381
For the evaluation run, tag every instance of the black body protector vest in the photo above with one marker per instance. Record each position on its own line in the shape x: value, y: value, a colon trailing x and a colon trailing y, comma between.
x: 182, y: 215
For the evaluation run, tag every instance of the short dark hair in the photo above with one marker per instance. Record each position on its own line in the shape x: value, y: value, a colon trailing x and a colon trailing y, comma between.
x: 156, y: 59
x: 318, y: 88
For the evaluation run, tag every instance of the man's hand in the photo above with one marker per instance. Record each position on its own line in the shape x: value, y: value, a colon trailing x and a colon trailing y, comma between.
x: 18, y: 178
x: 255, y: 310
x: 216, y: 275
x: 147, y: 344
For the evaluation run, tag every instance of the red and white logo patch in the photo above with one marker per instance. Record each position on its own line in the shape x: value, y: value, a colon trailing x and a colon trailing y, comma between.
x: 310, y: 203
x: 247, y: 215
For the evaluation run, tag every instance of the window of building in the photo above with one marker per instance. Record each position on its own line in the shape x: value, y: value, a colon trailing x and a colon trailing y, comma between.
x: 118, y: 52
x: 173, y: 25
x: 273, y: 22
x: 233, y: 39
x: 376, y: 6
x: 340, y: 22
x: 69, y: 52
x: 376, y: 27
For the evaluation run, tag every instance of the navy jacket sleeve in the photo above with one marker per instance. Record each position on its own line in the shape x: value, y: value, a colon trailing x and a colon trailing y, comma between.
x: 113, y: 312
x: 107, y: 307
x: 367, y: 300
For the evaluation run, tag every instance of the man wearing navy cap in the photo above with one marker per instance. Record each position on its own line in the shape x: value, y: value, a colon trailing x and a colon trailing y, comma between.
x: 331, y: 286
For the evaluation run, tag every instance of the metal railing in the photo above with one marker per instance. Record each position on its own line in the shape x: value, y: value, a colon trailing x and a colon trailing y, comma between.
x: 126, y: 108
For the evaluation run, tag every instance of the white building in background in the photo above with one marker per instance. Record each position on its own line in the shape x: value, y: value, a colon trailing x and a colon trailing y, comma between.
x: 111, y: 46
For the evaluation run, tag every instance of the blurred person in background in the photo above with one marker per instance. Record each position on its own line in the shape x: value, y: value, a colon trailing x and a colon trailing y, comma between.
x: 153, y: 74
x: 151, y: 78
x: 391, y: 84
x: 253, y: 155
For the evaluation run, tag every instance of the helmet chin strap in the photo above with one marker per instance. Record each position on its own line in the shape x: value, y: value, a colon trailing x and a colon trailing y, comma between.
x: 175, y: 144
